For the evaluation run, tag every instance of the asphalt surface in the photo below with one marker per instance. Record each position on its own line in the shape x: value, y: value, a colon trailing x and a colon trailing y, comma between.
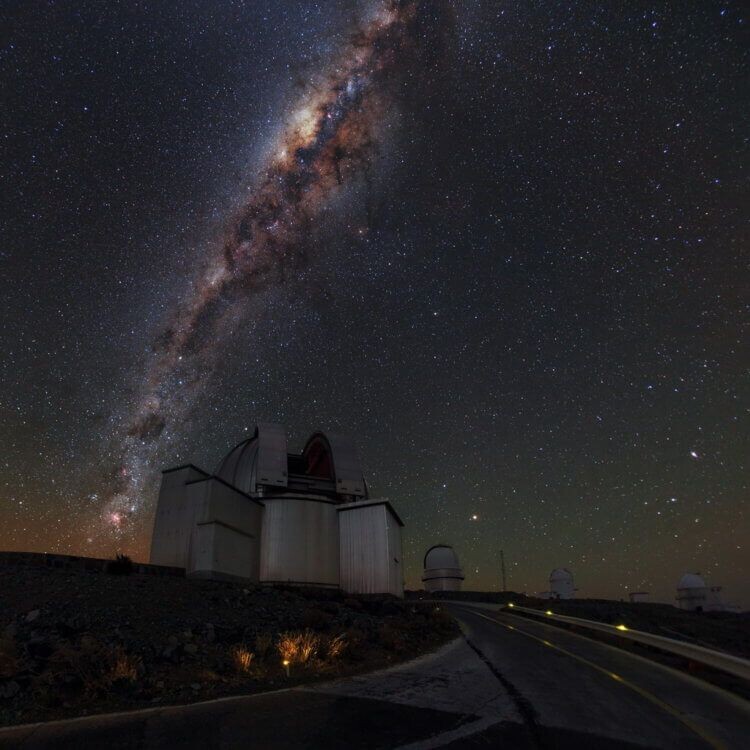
x: 510, y: 683
x: 568, y: 683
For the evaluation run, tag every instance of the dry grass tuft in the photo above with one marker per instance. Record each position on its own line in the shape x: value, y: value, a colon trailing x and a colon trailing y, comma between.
x: 299, y: 647
x: 96, y: 666
x: 308, y: 646
x: 124, y: 667
x: 88, y: 662
x: 336, y: 646
x: 242, y: 658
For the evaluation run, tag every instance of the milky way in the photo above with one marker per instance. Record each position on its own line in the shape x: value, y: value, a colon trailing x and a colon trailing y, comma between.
x: 512, y: 265
x: 330, y: 139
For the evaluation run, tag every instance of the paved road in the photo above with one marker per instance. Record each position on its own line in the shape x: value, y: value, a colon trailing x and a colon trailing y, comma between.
x: 511, y: 683
x: 565, y: 681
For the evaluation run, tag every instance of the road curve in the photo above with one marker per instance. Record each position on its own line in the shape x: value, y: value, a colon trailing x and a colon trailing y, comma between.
x: 562, y: 680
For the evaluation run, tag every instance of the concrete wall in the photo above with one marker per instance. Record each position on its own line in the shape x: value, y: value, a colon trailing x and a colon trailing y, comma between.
x: 220, y: 552
x: 300, y: 542
x: 226, y: 538
x: 206, y: 527
x: 370, y: 543
x: 176, y: 512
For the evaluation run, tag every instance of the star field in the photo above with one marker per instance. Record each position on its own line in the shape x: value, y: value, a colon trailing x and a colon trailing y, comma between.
x: 527, y: 301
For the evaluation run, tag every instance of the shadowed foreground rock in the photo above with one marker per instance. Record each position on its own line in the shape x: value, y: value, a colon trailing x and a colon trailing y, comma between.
x: 74, y: 642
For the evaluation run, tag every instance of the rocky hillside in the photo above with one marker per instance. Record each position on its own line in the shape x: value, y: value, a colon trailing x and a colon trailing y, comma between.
x: 74, y: 642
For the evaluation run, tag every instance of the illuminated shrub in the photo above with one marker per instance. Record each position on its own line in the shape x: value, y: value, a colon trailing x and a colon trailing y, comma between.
x: 242, y: 658
x: 124, y: 666
x: 298, y: 647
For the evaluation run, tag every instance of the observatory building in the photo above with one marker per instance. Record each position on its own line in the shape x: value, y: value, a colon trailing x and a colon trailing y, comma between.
x: 695, y: 595
x: 560, y: 585
x: 270, y: 516
x: 639, y: 597
x: 441, y: 569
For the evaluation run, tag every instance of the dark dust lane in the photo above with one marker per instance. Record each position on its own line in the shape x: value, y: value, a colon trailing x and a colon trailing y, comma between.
x: 569, y: 683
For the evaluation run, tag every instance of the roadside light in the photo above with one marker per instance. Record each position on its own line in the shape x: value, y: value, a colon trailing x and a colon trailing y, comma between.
x: 286, y: 666
x: 548, y: 612
x: 622, y: 627
x: 510, y: 604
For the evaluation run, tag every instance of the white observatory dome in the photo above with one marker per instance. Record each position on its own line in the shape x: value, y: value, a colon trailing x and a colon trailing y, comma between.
x: 441, y: 557
x: 694, y: 595
x: 691, y: 581
x: 561, y: 584
x: 561, y: 574
x: 300, y: 494
x: 442, y: 571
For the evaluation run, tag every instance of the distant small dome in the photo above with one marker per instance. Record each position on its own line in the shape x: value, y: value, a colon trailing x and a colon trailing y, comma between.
x: 442, y: 571
x: 691, y: 581
x: 561, y: 575
x: 440, y: 556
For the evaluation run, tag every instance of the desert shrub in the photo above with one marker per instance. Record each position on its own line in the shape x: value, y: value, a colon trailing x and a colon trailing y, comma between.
x: 298, y: 647
x: 123, y: 667
x: 335, y: 646
x: 308, y: 646
x: 92, y: 667
x: 242, y: 658
x: 122, y: 565
x: 87, y: 662
x: 287, y: 647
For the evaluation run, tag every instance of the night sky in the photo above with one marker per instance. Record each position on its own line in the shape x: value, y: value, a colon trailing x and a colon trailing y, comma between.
x: 504, y: 245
